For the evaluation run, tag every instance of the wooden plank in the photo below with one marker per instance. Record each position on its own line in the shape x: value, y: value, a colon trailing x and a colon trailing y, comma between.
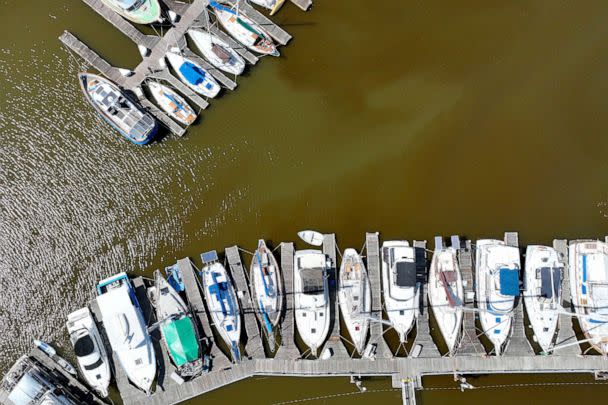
x: 334, y: 342
x: 372, y: 249
x: 423, y: 333
x: 288, y: 348
x: 565, y: 331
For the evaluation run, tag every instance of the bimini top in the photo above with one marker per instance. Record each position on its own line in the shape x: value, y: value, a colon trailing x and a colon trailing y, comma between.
x: 192, y: 73
x: 406, y: 274
x: 550, y: 281
x: 312, y: 281
x: 181, y: 340
x: 509, y: 282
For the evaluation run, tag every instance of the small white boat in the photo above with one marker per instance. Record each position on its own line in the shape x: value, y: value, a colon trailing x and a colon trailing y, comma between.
x: 90, y: 350
x: 222, y: 302
x: 311, y: 298
x: 245, y: 30
x: 50, y: 351
x: 127, y: 331
x: 172, y: 103
x: 354, y: 296
x: 311, y: 237
x: 217, y: 52
x: 267, y: 289
x: 400, y: 289
x: 496, y: 286
x: 446, y: 295
x: 588, y: 269
x: 542, y: 292
x: 193, y: 75
x: 177, y: 328
x: 272, y: 5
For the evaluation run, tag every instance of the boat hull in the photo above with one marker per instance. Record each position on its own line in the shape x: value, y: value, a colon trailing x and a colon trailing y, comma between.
x: 203, y: 83
x: 147, y: 13
x: 224, y: 58
x: 172, y: 103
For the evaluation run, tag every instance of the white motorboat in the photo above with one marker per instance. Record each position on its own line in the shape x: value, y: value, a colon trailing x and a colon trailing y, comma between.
x: 177, y: 328
x: 588, y: 267
x: 222, y: 302
x: 193, y: 75
x: 446, y: 295
x: 311, y: 237
x: 354, y: 296
x: 172, y: 103
x: 217, y: 52
x: 267, y: 289
x: 244, y: 29
x: 542, y: 292
x: 126, y: 329
x: 90, y: 350
x: 496, y: 286
x: 272, y: 5
x: 400, y: 290
x: 311, y: 298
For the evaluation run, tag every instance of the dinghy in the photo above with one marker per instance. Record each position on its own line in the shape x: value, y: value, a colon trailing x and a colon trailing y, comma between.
x: 267, y: 289
x: 138, y: 11
x: 90, y: 350
x: 50, y: 351
x: 193, y: 75
x: 174, y: 277
x: 244, y: 30
x: 127, y: 331
x: 446, y: 295
x: 272, y: 5
x: 311, y: 298
x: 354, y: 296
x: 311, y: 237
x: 222, y: 302
x: 172, y: 103
x: 496, y: 286
x: 217, y: 52
x: 588, y: 270
x: 117, y: 110
x: 177, y: 328
x: 542, y: 292
x: 400, y: 289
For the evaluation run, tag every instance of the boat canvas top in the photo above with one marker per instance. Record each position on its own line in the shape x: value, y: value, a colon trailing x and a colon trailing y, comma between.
x: 509, y: 282
x: 181, y: 340
x: 550, y: 281
x: 405, y: 273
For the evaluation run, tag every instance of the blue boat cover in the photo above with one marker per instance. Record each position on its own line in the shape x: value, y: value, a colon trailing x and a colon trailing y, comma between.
x: 509, y: 282
x: 220, y: 7
x: 192, y: 73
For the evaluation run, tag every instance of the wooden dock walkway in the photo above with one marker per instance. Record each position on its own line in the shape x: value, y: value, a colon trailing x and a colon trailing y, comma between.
x: 372, y: 253
x: 288, y: 348
x: 335, y: 339
x: 254, y: 346
x: 276, y: 32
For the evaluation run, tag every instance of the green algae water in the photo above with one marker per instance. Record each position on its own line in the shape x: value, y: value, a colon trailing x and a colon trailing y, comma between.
x: 408, y: 118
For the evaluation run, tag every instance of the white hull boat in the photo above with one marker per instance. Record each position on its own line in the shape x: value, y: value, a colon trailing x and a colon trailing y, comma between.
x: 172, y: 103
x: 542, y: 292
x: 354, y: 296
x: 177, y: 328
x: 193, y: 75
x: 446, y: 295
x: 90, y: 350
x: 272, y: 5
x: 245, y: 30
x: 588, y: 267
x: 400, y: 290
x: 126, y: 329
x: 265, y: 276
x: 222, y: 302
x: 50, y: 351
x: 311, y: 237
x: 497, y: 284
x: 217, y: 52
x: 311, y: 298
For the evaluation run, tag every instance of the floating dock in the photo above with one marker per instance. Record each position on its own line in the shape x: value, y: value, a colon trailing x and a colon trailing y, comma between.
x: 153, y: 49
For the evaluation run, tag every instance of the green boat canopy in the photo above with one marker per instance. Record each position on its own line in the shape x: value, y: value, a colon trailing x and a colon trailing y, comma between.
x: 181, y: 340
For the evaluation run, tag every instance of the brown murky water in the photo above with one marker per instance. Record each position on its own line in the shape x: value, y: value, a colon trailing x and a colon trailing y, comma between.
x: 409, y: 118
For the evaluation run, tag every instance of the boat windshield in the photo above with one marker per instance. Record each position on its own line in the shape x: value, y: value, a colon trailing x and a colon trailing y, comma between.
x: 313, y: 281
x: 130, y: 5
x: 84, y: 346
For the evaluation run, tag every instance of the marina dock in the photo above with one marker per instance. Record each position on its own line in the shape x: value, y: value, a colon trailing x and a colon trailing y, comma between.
x: 153, y: 49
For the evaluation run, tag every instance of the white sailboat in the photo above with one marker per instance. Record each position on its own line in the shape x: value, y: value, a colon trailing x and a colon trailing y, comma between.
x: 222, y: 302
x: 588, y: 267
x: 311, y: 298
x: 126, y: 329
x: 267, y: 289
x: 497, y: 284
x: 172, y: 103
x: 446, y: 295
x: 400, y: 290
x: 542, y: 292
x: 90, y: 350
x: 193, y: 75
x: 272, y: 5
x: 217, y: 52
x: 354, y: 296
